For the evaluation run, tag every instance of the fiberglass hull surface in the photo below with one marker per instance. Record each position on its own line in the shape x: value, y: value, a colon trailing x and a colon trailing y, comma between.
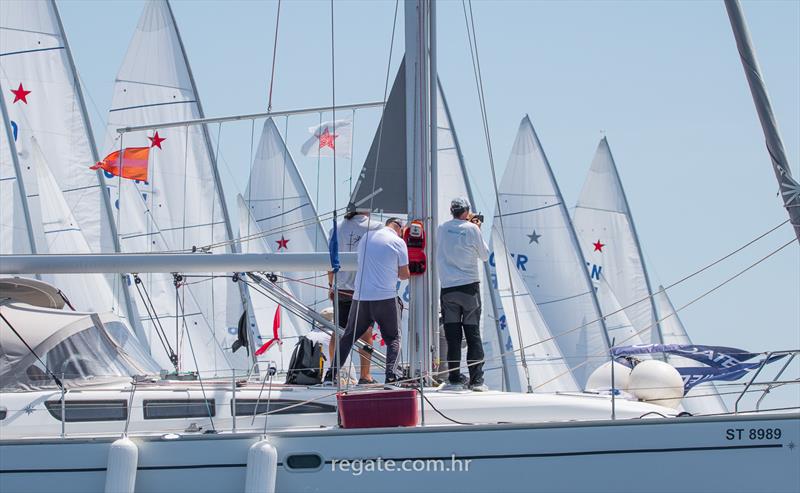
x: 674, y: 454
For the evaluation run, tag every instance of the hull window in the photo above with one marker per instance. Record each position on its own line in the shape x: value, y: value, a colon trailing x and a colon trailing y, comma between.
x: 174, y: 408
x: 303, y: 461
x: 78, y: 411
x: 247, y: 407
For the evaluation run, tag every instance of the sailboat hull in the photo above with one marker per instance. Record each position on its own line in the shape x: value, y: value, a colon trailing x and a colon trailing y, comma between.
x: 673, y: 454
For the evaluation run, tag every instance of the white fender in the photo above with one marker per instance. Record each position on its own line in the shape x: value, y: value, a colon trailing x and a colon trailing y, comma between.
x: 123, y: 459
x: 262, y: 468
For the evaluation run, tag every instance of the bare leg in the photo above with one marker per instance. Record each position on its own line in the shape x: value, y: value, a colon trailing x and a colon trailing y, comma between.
x: 365, y: 358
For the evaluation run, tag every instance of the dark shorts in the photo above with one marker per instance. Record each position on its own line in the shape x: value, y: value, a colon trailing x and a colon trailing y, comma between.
x: 461, y: 304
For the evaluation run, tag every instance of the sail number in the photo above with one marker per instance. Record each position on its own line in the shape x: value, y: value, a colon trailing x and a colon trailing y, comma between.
x: 753, y: 434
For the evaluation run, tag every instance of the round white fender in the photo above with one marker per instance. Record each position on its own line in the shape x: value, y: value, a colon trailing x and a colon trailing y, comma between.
x: 123, y: 459
x: 656, y: 382
x: 262, y: 468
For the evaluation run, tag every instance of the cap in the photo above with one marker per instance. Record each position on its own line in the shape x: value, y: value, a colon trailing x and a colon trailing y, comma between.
x: 459, y: 203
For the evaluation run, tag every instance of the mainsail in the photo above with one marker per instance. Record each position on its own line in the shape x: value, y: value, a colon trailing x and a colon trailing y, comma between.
x: 44, y: 102
x: 705, y: 398
x: 180, y: 208
x: 539, y: 237
x: 607, y: 236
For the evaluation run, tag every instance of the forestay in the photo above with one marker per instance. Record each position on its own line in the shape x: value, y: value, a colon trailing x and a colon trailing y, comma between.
x: 705, y: 398
x: 540, y: 240
x: 179, y: 208
x: 607, y: 236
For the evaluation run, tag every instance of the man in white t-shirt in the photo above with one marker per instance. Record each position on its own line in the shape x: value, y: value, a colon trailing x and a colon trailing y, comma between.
x: 350, y: 231
x: 460, y: 247
x: 382, y: 260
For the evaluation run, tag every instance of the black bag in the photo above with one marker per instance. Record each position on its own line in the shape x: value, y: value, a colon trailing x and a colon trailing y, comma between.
x: 307, y: 363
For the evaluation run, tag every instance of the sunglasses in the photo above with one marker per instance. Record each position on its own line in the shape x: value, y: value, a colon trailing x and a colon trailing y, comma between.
x: 398, y: 223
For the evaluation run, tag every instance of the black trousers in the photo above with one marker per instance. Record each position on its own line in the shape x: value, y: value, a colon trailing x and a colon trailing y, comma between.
x: 461, y: 311
x: 387, y: 315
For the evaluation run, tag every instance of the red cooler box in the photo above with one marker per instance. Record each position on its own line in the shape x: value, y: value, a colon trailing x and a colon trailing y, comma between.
x: 378, y: 409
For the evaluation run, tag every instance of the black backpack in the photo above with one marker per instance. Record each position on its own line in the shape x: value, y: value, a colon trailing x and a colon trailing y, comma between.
x: 305, y: 367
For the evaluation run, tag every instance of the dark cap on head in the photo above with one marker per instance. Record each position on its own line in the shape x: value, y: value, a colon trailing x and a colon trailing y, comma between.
x: 351, y: 211
x: 394, y: 220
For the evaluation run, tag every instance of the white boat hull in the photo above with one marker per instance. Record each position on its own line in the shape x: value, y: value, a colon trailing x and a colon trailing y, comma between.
x: 673, y: 454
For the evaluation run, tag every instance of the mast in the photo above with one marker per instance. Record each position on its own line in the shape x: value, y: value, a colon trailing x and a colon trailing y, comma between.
x: 12, y: 146
x: 417, y: 147
x: 235, y: 248
x: 789, y: 188
x: 433, y: 78
x: 130, y: 309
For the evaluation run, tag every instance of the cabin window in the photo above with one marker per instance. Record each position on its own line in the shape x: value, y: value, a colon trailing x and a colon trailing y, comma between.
x: 247, y: 407
x: 81, y: 411
x: 3, y: 413
x: 303, y: 461
x: 179, y: 408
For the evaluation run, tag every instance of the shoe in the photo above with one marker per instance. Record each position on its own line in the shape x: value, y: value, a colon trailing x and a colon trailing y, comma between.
x: 367, y: 381
x: 328, y: 380
x: 479, y: 387
x: 453, y: 387
x: 390, y: 380
x: 463, y: 380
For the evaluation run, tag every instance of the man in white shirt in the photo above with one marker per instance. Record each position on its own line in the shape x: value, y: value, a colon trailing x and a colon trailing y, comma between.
x: 350, y: 231
x: 382, y: 260
x: 460, y: 247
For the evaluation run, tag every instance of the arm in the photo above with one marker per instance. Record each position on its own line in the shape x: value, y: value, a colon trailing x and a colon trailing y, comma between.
x: 402, y: 260
x: 480, y: 245
x: 403, y: 273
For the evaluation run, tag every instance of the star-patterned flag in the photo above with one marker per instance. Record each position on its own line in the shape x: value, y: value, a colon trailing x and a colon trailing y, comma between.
x: 283, y: 243
x: 134, y: 163
x: 330, y: 137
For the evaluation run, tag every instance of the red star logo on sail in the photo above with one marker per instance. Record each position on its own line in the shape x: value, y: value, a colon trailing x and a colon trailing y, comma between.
x: 282, y: 243
x: 155, y: 140
x: 20, y: 94
x: 327, y: 139
x: 598, y: 247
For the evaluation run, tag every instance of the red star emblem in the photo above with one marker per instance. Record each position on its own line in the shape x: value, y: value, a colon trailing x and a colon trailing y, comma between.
x: 326, y: 139
x: 20, y: 94
x: 598, y: 247
x: 155, y: 140
x: 282, y: 243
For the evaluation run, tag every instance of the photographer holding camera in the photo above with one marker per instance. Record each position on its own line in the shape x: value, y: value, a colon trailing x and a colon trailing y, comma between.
x: 460, y: 247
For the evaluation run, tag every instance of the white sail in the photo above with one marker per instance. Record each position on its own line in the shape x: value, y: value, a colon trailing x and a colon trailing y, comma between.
x: 704, y: 398
x: 282, y: 209
x: 43, y: 99
x: 539, y: 237
x: 14, y: 233
x: 179, y: 208
x: 547, y: 370
x: 607, y: 236
x: 60, y: 233
x: 252, y: 241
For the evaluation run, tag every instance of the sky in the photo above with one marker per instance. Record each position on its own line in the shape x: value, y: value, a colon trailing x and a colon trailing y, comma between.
x: 661, y: 80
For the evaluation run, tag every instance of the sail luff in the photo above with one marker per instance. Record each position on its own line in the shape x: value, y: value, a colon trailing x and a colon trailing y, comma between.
x: 789, y: 187
x: 636, y: 241
x: 571, y: 231
x: 130, y: 307
x: 20, y: 181
x: 234, y: 247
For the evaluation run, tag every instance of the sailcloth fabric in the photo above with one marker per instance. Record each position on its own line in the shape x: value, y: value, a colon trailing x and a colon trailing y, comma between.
x: 705, y: 398
x: 43, y: 100
x: 14, y: 236
x: 607, y: 236
x: 179, y: 207
x: 281, y: 207
x: 539, y: 237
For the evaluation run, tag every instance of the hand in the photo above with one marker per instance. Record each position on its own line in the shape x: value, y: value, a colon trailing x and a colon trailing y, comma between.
x: 476, y: 221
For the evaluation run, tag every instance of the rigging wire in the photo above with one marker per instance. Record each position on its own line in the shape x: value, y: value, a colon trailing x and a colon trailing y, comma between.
x: 274, y: 55
x: 476, y: 67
